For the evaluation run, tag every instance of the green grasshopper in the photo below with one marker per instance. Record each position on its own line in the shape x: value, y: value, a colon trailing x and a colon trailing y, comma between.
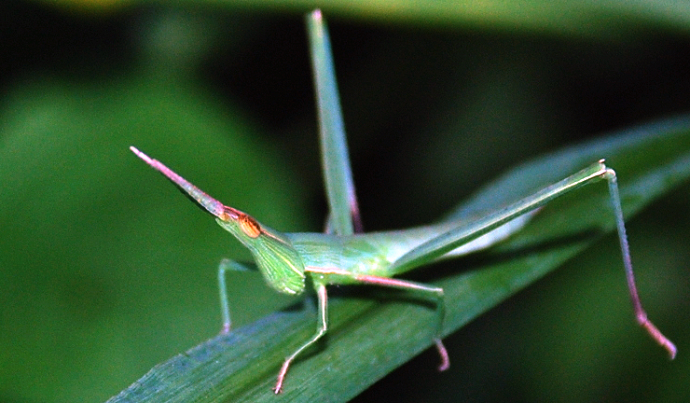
x: 344, y: 255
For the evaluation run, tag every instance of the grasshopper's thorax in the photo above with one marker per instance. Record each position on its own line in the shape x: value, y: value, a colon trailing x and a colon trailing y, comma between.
x: 274, y: 254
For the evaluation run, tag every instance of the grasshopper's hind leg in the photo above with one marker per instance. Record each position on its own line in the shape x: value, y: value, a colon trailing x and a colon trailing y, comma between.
x: 640, y: 314
x: 445, y: 242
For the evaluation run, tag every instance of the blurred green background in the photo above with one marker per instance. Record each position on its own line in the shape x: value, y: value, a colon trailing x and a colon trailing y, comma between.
x: 105, y: 270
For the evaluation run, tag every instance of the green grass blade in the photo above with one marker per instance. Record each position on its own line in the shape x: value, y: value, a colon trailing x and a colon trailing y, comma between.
x: 340, y: 188
x: 370, y: 337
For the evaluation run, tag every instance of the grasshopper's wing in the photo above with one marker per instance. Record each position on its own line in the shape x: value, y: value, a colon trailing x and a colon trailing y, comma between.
x: 340, y: 189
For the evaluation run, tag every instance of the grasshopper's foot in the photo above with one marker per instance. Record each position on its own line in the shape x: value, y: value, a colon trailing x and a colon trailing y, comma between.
x: 445, y: 361
x: 281, y: 376
x: 656, y: 334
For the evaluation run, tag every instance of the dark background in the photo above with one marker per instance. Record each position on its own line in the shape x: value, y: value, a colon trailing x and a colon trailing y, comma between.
x: 105, y: 271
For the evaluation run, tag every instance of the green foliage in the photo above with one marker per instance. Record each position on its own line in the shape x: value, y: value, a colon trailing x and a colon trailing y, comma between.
x: 105, y: 271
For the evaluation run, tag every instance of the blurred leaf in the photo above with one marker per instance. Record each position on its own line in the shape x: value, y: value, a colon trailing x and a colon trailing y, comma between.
x: 368, y: 339
x: 603, y: 18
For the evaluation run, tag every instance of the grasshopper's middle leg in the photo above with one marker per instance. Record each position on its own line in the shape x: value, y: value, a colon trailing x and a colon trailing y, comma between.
x: 321, y: 328
x: 435, y: 293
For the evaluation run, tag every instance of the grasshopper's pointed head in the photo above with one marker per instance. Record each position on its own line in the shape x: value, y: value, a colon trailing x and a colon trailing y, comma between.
x: 277, y: 259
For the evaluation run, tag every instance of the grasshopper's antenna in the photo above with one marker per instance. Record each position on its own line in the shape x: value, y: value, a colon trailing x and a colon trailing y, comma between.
x: 210, y: 204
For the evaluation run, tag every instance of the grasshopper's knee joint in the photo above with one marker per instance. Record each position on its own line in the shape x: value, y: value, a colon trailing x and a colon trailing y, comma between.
x: 438, y: 293
x: 610, y: 174
x: 227, y: 265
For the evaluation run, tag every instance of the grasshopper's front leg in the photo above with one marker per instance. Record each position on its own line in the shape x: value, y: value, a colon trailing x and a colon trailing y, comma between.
x: 226, y: 265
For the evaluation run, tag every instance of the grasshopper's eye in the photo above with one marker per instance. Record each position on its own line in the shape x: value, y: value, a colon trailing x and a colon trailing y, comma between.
x: 249, y: 226
x: 230, y: 213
